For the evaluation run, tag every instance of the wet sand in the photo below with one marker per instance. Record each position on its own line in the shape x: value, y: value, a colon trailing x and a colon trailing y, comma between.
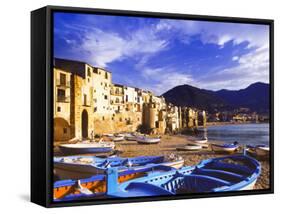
x: 168, y: 145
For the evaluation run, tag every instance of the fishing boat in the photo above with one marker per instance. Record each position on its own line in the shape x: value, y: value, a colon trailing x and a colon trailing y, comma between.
x: 96, y: 185
x: 147, y: 140
x: 75, y: 167
x: 190, y: 147
x: 203, y: 142
x: 115, y: 137
x: 231, y: 173
x: 130, y: 137
x: 82, y: 148
x: 260, y: 150
x: 226, y: 147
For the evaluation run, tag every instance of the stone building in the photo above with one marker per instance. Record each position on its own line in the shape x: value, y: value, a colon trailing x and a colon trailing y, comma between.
x: 86, y: 103
x: 73, y: 103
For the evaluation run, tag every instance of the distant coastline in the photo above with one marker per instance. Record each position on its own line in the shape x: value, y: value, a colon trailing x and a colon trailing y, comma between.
x: 229, y: 123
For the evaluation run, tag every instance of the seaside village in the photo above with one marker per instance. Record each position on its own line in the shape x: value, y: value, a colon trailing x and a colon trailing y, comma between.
x: 153, y: 159
x: 87, y: 103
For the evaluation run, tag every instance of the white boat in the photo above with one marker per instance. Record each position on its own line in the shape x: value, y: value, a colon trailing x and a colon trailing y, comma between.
x: 227, y: 147
x: 83, y: 147
x: 147, y: 140
x: 130, y: 137
x: 190, y: 147
x: 262, y: 151
x: 203, y: 143
x: 118, y: 138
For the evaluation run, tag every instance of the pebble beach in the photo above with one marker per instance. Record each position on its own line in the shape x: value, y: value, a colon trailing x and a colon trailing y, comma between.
x: 169, y: 145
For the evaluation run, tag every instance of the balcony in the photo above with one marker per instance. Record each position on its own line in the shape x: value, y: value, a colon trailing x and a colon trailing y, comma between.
x: 63, y: 99
x: 63, y: 83
x: 116, y: 92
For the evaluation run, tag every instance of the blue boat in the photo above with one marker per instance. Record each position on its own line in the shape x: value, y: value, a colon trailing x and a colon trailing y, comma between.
x: 95, y: 186
x: 225, y: 148
x: 231, y: 173
x: 77, y: 167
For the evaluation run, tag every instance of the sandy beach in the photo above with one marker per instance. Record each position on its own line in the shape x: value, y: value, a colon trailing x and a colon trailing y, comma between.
x: 168, y: 145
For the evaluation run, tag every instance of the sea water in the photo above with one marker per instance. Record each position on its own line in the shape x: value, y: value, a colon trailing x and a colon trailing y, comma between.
x: 256, y: 133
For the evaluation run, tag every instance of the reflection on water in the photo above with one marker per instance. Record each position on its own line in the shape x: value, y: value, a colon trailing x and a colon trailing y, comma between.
x: 243, y: 133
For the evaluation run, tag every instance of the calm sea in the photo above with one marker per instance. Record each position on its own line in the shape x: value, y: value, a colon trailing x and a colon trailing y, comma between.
x: 243, y: 133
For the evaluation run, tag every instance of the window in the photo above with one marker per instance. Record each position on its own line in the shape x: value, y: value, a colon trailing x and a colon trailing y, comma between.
x: 127, y: 98
x: 103, y: 118
x: 85, y: 99
x: 58, y: 109
x: 120, y: 119
x: 62, y: 79
x: 95, y: 109
x: 65, y: 130
x: 105, y: 97
x: 61, y: 93
x: 106, y: 75
x: 89, y: 72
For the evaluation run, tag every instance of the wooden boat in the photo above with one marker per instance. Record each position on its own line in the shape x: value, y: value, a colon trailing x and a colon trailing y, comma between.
x: 118, y: 138
x: 130, y: 137
x: 203, y: 142
x: 231, y: 173
x: 115, y: 137
x: 227, y: 147
x: 190, y: 147
x: 96, y: 186
x: 82, y: 148
x: 260, y: 150
x: 76, y: 167
x: 148, y: 140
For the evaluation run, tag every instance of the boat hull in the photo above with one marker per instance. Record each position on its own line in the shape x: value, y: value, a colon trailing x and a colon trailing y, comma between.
x: 73, y: 168
x: 148, y: 141
x: 230, y: 173
x: 217, y: 148
x: 190, y: 148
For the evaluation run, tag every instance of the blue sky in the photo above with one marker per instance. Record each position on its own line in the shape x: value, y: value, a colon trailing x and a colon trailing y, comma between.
x: 159, y: 54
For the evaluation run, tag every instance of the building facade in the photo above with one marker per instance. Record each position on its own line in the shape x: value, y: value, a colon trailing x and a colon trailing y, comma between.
x: 88, y: 103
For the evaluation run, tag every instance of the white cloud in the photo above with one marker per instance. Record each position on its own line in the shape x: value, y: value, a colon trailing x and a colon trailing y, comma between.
x: 252, y: 67
x: 220, y: 33
x: 164, y: 78
x: 235, y: 58
x: 101, y: 47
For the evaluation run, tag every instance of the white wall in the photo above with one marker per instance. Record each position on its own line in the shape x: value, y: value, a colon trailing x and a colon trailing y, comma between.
x: 15, y: 105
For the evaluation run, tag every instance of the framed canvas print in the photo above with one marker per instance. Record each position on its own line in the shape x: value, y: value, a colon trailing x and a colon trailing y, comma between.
x: 134, y: 106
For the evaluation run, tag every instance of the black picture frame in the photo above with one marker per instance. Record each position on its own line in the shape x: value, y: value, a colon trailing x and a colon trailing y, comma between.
x: 42, y: 103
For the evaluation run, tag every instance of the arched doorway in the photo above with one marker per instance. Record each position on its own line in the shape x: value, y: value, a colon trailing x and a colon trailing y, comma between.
x: 84, y: 124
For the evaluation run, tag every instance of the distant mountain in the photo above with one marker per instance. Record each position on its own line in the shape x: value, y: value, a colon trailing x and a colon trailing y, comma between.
x: 186, y: 95
x: 255, y: 97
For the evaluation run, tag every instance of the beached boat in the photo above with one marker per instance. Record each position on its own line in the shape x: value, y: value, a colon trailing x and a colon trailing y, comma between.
x: 260, y: 150
x: 96, y: 185
x: 115, y: 137
x: 202, y: 141
x: 148, y: 140
x: 231, y: 173
x: 226, y: 147
x: 76, y: 167
x: 82, y: 148
x: 189, y: 147
x: 131, y: 137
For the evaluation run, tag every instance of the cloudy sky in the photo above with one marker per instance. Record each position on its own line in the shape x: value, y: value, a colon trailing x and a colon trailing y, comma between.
x: 159, y: 54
